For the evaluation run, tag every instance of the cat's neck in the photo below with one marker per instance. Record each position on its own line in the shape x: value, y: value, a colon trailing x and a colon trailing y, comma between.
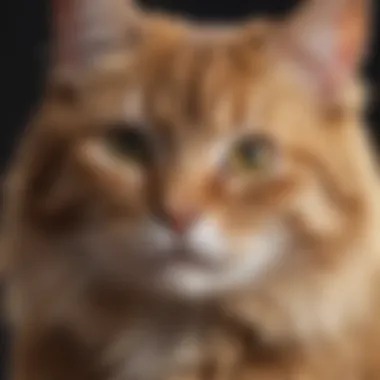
x: 178, y: 340
x: 147, y: 337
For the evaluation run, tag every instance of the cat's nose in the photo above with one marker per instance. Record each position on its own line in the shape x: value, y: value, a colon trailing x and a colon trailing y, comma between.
x: 180, y: 219
x: 183, y: 219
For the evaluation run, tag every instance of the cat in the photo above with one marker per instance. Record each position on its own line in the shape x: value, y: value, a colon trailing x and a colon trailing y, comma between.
x: 197, y: 201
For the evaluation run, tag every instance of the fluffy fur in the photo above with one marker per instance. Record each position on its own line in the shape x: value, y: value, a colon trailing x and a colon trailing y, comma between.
x: 186, y: 262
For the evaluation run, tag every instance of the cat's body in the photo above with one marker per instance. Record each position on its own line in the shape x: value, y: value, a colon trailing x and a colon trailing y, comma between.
x: 198, y: 203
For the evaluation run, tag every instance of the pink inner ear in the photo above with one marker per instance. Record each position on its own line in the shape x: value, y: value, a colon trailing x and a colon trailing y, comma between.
x: 327, y: 41
x: 353, y: 36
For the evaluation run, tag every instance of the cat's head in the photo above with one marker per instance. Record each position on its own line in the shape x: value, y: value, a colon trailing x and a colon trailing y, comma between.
x: 198, y: 160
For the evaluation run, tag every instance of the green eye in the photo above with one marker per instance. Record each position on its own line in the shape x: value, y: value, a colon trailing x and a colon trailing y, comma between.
x: 130, y: 144
x: 254, y: 154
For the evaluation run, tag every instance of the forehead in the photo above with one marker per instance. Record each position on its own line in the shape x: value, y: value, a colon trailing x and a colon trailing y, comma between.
x: 219, y: 85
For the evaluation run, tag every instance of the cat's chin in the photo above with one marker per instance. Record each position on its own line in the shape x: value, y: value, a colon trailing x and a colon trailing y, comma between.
x: 191, y: 278
x: 187, y: 274
x: 179, y: 274
x: 191, y: 281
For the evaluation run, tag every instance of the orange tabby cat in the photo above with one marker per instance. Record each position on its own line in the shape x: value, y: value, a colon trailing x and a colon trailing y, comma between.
x: 198, y: 202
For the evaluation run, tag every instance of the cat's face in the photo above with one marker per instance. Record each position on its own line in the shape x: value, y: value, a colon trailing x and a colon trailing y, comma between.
x: 210, y: 183
x: 201, y: 164
x: 212, y: 189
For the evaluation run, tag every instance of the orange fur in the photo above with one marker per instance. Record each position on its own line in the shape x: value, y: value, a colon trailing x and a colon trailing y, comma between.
x: 283, y: 273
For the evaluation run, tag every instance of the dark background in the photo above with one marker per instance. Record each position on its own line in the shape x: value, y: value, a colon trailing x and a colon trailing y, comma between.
x: 25, y: 54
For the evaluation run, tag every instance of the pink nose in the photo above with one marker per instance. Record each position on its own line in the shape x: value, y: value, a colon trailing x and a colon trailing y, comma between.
x: 182, y: 219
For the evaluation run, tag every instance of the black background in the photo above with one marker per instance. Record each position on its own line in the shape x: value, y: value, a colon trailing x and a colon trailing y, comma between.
x: 25, y: 52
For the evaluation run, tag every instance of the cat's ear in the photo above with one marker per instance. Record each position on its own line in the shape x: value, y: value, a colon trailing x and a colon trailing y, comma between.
x: 327, y: 40
x: 86, y: 31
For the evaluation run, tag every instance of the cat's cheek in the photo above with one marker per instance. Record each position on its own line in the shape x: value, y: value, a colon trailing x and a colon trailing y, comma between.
x: 261, y: 254
x: 127, y: 251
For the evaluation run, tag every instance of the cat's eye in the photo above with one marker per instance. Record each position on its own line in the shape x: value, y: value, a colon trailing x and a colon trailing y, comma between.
x: 252, y: 154
x: 129, y: 143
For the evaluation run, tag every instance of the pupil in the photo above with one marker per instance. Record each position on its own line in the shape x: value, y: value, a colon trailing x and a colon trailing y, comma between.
x: 130, y: 143
x: 251, y: 151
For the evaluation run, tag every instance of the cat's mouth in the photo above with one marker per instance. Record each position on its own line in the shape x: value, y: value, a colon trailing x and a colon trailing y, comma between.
x: 186, y: 257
